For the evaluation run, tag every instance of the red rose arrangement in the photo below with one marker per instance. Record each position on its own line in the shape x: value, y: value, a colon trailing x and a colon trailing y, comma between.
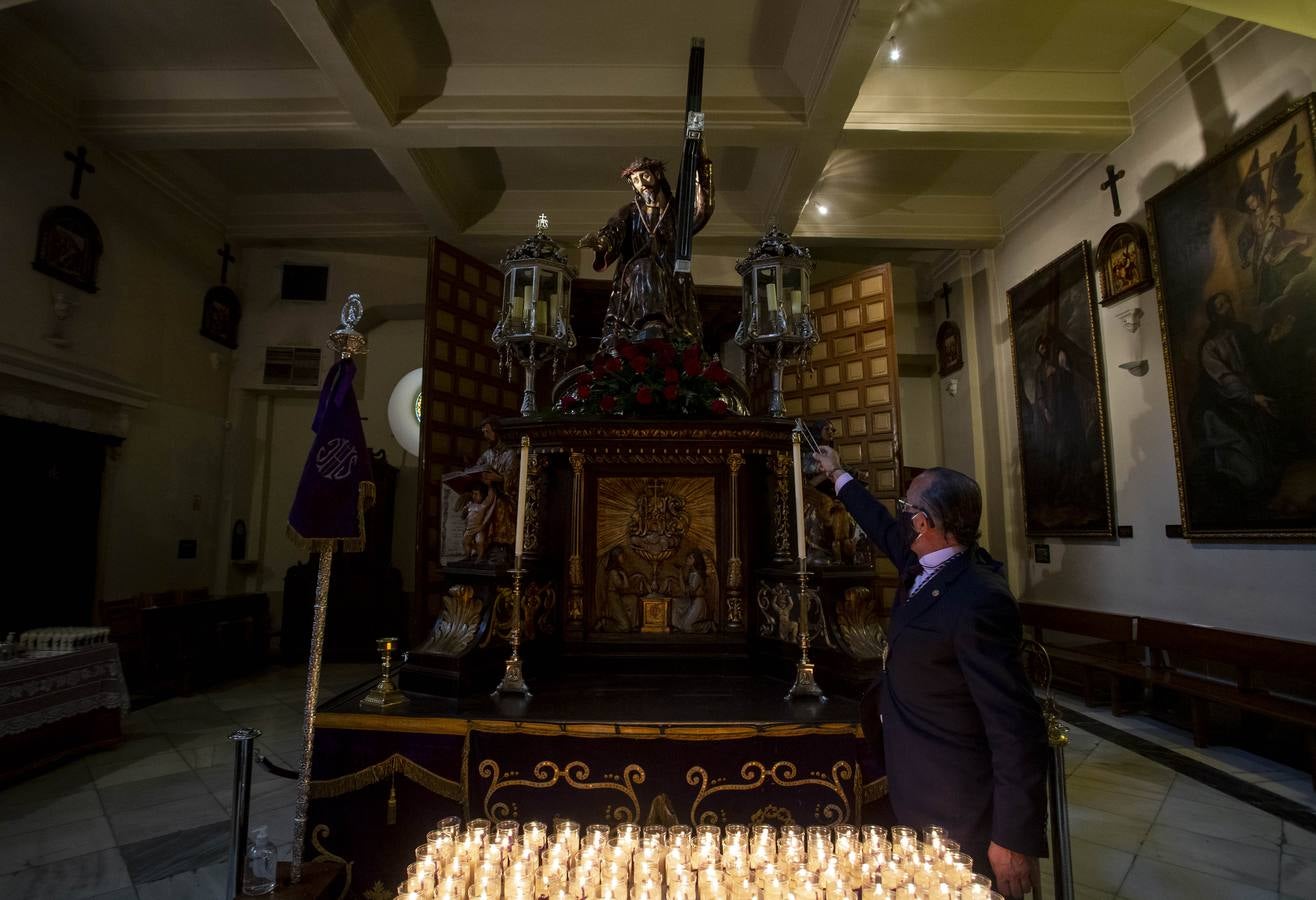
x: 654, y: 378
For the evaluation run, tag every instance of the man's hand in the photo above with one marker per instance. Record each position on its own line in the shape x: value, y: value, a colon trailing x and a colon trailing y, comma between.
x: 1015, y: 873
x: 827, y: 460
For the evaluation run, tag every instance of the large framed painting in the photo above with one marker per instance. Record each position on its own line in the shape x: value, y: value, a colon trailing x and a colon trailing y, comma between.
x: 1060, y: 399
x: 1232, y: 247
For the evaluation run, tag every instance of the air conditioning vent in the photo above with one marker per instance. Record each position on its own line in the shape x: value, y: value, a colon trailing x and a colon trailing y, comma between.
x: 292, y: 366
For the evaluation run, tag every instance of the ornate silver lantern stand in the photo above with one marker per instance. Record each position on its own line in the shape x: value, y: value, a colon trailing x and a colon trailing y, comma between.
x: 776, y: 322
x: 534, y: 324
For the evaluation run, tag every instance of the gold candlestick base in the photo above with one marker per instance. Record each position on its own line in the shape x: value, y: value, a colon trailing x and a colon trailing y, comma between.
x: 804, y: 686
x: 385, y: 695
x: 513, y: 679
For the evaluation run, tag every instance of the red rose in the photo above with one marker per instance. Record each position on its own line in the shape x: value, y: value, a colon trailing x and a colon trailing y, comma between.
x: 716, y: 373
x: 718, y: 406
x: 626, y: 349
x: 644, y: 396
x: 613, y: 365
x: 692, y: 365
x: 568, y: 401
x: 691, y: 352
x: 608, y: 403
x: 600, y: 366
x: 640, y: 364
x: 670, y: 392
x: 584, y: 379
x: 582, y: 392
x: 661, y: 349
x: 671, y: 376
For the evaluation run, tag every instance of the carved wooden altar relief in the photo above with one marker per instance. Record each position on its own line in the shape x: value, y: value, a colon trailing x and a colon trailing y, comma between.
x: 656, y: 556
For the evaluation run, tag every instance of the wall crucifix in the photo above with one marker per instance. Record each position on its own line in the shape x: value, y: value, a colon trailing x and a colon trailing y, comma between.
x: 1112, y: 184
x: 226, y: 257
x: 944, y: 294
x: 80, y: 165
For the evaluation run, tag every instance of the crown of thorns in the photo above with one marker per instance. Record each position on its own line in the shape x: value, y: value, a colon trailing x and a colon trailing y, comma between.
x: 643, y: 164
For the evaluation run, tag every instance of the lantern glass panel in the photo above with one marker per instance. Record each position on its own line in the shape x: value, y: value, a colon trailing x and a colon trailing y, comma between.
x: 796, y: 289
x: 523, y: 302
x: 769, y: 299
x: 548, y: 289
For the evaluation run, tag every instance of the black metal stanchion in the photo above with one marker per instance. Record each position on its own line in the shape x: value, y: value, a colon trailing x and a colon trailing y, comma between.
x: 243, y: 748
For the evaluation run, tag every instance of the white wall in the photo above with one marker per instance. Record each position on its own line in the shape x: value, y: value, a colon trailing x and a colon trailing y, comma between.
x: 1253, y: 588
x: 271, y: 427
x: 142, y: 326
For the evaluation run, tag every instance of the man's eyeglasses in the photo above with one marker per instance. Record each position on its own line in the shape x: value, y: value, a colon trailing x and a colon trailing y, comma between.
x: 904, y: 506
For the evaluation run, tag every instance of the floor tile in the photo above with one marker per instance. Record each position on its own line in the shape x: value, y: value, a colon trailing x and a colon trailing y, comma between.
x: 68, y: 778
x: 1221, y: 857
x: 87, y: 875
x: 1299, y: 840
x: 1106, y: 829
x: 1244, y: 825
x: 54, y: 843
x: 1151, y: 879
x: 1297, y: 875
x: 119, y: 798
x: 1186, y: 788
x: 128, y: 893
x: 74, y: 807
x: 1097, y: 867
x: 1104, y: 796
x: 140, y: 824
x: 154, y: 766
x: 173, y: 854
x: 210, y: 881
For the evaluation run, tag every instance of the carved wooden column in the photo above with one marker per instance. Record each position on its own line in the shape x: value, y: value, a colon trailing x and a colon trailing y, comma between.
x: 782, y: 527
x: 735, y: 577
x: 575, y: 567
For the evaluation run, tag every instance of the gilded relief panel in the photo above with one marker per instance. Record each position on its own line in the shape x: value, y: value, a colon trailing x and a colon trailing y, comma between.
x: 656, y: 552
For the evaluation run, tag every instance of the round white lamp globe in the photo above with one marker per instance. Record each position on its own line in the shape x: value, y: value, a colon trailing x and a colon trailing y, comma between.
x: 404, y: 412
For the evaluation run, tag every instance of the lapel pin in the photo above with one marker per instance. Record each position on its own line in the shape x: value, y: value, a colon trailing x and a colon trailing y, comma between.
x: 937, y: 592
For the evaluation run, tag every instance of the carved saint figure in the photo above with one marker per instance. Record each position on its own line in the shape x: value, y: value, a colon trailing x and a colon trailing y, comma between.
x: 501, y: 466
x: 616, y: 612
x: 690, y: 609
x: 649, y: 298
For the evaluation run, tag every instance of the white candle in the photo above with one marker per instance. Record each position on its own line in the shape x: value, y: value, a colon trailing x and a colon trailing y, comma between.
x: 772, y: 296
x: 523, y: 487
x: 799, y: 497
x: 797, y: 302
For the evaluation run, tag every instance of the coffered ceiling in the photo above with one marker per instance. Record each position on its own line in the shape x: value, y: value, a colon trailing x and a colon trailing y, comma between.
x: 373, y: 123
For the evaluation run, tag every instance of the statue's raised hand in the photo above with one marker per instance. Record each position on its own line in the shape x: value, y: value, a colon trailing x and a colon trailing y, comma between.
x: 595, y: 242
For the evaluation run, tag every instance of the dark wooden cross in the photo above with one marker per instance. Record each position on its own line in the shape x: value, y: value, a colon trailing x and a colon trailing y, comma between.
x: 944, y: 294
x: 226, y: 258
x: 1111, y: 184
x: 80, y: 165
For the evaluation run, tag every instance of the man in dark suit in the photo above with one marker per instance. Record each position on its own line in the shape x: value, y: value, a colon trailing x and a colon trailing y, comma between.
x: 963, y: 735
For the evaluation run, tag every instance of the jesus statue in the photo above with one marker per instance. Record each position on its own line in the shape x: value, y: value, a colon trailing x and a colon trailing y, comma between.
x: 649, y: 298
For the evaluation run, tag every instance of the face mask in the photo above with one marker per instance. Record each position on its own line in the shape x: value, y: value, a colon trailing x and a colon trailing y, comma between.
x: 907, y: 529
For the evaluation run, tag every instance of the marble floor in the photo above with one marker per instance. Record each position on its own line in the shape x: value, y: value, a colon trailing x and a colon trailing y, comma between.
x: 1152, y: 817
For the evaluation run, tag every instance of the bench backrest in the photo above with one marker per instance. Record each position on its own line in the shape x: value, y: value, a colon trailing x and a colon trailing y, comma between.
x: 1091, y: 623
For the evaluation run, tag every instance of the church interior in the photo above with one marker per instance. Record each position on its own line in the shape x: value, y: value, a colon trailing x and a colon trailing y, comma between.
x: 1065, y: 248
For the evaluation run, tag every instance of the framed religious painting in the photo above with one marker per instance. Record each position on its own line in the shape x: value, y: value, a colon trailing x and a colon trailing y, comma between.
x: 220, y: 314
x: 1123, y: 263
x: 1232, y: 247
x: 69, y: 247
x: 950, y: 353
x: 1060, y: 400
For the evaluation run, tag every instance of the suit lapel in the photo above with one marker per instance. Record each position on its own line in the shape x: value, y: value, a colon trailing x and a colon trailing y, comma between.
x: 928, y: 594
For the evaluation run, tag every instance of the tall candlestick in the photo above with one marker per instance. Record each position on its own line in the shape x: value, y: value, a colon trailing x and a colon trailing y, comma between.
x: 523, y: 488
x: 801, y: 550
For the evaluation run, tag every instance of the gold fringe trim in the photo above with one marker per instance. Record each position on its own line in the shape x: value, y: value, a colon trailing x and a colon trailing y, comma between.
x: 364, y: 500
x: 397, y: 764
x: 685, y: 731
x: 872, y: 790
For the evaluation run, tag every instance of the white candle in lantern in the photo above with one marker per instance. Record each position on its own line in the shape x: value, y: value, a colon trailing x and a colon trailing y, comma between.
x: 797, y: 302
x: 772, y: 296
x: 801, y: 550
x: 523, y: 488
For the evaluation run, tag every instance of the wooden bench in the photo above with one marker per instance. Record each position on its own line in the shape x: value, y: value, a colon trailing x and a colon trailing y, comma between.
x: 193, y: 644
x: 1258, y: 675
x: 1109, y: 651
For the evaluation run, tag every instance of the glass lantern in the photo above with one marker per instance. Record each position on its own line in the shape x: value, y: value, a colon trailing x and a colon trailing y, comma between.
x: 534, y: 323
x: 776, y: 323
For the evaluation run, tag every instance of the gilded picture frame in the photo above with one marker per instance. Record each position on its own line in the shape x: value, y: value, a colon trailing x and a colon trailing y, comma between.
x: 1123, y: 263
x: 1060, y: 400
x: 1233, y: 243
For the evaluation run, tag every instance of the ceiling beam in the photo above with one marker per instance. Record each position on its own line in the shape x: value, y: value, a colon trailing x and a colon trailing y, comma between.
x: 322, y: 40
x: 1298, y: 16
x: 867, y: 23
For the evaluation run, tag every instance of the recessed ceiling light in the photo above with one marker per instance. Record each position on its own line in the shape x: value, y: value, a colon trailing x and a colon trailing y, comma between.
x: 822, y: 208
x: 894, y: 53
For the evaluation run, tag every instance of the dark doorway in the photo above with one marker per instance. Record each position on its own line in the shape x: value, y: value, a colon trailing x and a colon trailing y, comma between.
x: 53, y: 502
